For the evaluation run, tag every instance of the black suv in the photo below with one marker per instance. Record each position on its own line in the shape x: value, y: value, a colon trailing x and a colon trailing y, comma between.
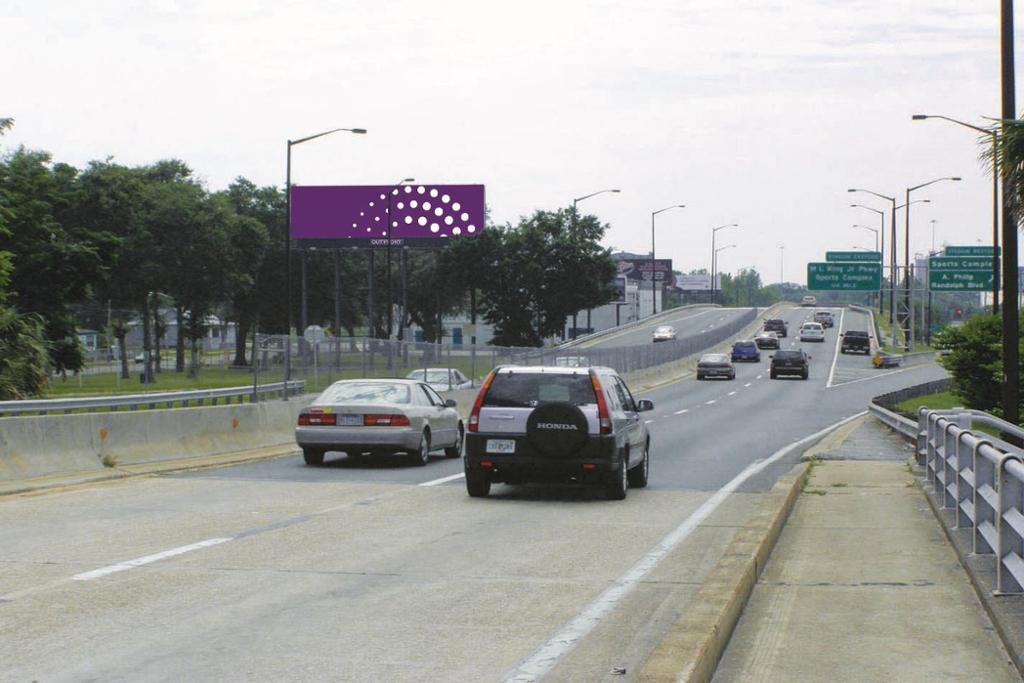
x: 855, y: 340
x: 790, y: 362
x: 580, y: 425
x: 776, y: 325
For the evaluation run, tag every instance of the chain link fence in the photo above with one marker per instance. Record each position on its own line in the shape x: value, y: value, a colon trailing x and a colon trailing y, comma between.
x: 337, y: 358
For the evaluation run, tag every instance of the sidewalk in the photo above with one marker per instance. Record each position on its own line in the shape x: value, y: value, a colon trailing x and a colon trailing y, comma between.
x: 863, y: 585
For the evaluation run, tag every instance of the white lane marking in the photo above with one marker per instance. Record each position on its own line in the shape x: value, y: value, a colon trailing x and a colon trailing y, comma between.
x: 759, y: 377
x: 682, y: 412
x: 708, y: 403
x: 148, y: 559
x: 442, y: 480
x: 835, y: 356
x: 647, y: 422
x: 545, y: 658
x: 732, y: 393
x: 868, y: 379
x: 747, y: 384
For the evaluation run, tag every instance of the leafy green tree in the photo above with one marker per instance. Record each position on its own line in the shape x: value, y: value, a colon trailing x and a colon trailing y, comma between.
x: 23, y: 355
x: 536, y: 274
x: 975, y: 361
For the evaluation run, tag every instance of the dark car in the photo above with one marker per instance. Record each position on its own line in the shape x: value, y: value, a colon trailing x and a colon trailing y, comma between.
x: 745, y: 349
x: 855, y: 340
x: 776, y: 325
x: 790, y: 362
x: 767, y: 340
x: 715, y: 365
x: 540, y: 424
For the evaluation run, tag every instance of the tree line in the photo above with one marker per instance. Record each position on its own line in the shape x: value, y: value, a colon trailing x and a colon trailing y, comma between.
x: 109, y: 246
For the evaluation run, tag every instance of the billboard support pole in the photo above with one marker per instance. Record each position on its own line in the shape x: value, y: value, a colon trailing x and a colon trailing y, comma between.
x: 337, y: 310
x: 371, y: 332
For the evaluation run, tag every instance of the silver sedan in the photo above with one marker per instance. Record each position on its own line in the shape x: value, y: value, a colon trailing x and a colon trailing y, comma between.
x: 382, y: 416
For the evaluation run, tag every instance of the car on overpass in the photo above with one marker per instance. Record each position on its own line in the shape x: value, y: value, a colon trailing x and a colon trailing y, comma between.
x: 778, y: 326
x: 809, y: 300
x: 442, y: 379
x: 745, y: 350
x: 790, y: 362
x: 379, y: 417
x: 664, y: 333
x: 855, y: 340
x: 552, y: 424
x: 715, y: 365
x: 813, y: 332
x: 766, y: 340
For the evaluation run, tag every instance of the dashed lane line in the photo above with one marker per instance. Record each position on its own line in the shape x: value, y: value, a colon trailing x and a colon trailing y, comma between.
x: 708, y: 403
x: 682, y: 412
x: 748, y: 384
x: 443, y: 480
x: 732, y: 393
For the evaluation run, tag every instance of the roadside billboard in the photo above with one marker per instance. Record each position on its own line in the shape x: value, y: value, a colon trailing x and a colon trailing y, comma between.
x: 640, y: 269
x: 357, y: 215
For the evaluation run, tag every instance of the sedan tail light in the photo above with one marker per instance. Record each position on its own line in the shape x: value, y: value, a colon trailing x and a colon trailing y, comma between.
x: 385, y: 421
x: 306, y: 420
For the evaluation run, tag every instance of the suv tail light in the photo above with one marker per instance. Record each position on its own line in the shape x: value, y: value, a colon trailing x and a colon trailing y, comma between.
x: 473, y: 424
x: 385, y: 421
x: 307, y: 420
x: 604, y: 418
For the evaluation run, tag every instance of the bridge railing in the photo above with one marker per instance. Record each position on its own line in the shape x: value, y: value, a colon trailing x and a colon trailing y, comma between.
x: 166, y: 399
x: 980, y: 478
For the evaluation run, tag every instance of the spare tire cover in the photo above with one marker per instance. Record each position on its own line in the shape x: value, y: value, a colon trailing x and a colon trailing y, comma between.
x: 557, y: 429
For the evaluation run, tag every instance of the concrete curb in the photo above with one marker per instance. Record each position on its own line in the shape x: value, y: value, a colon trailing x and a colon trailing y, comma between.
x: 1006, y: 612
x: 691, y: 650
x: 63, y: 481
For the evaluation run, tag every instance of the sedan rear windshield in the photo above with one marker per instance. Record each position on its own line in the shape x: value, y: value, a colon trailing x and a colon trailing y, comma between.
x: 743, y: 345
x: 365, y: 392
x: 518, y: 390
x: 789, y: 355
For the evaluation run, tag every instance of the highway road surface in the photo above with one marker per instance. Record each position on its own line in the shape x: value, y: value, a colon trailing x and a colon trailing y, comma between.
x: 376, y: 571
x: 687, y: 322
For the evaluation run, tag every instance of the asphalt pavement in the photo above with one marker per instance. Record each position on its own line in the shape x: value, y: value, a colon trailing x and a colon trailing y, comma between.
x: 377, y: 570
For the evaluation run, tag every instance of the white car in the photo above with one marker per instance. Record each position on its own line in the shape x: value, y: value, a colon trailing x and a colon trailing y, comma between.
x: 442, y: 379
x: 812, y: 332
x: 664, y: 333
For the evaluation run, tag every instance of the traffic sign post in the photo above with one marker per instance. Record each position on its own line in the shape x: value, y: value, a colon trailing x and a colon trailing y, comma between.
x: 845, y: 277
x: 960, y: 273
x: 853, y: 256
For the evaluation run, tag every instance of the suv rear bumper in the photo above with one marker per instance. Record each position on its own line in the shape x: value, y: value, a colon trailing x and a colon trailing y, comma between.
x: 594, y: 463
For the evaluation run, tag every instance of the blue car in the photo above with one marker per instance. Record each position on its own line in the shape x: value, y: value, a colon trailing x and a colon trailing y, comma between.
x: 745, y: 350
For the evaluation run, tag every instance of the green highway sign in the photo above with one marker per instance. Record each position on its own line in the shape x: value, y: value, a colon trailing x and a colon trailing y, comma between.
x: 859, y: 277
x: 969, y: 251
x: 848, y: 256
x: 960, y: 273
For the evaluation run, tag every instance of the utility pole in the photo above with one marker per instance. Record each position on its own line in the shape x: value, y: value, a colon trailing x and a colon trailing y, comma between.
x: 1011, y: 373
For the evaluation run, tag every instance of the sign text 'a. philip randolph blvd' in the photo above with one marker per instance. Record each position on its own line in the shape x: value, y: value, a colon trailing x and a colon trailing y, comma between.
x: 959, y: 273
x: 860, y: 277
x: 848, y: 256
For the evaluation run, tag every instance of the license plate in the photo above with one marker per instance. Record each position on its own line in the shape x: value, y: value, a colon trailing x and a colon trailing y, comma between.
x: 351, y: 420
x: 501, y: 446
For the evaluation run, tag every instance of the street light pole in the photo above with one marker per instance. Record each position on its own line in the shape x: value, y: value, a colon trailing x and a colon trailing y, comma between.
x: 881, y: 216
x: 654, y: 298
x: 714, y: 258
x: 908, y: 335
x: 574, y: 202
x: 892, y: 259
x: 874, y: 230
x: 714, y: 232
x: 995, y: 196
x: 288, y: 243
x: 1011, y: 293
x: 782, y: 251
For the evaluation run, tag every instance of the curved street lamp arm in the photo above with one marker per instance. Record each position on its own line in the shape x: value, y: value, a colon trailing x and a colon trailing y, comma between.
x: 881, y: 196
x: 986, y: 131
x: 932, y: 182
x: 357, y: 131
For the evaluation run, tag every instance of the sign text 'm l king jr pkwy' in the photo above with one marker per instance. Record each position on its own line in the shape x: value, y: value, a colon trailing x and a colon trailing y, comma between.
x: 859, y: 277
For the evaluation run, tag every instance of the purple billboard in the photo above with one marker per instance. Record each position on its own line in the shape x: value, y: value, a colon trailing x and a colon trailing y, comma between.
x: 357, y: 215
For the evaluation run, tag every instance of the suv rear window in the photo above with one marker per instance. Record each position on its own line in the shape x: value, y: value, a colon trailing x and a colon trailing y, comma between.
x: 518, y: 390
x: 856, y: 333
x: 788, y: 355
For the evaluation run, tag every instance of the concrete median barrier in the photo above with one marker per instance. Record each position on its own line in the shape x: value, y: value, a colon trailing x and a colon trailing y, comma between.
x: 45, y: 445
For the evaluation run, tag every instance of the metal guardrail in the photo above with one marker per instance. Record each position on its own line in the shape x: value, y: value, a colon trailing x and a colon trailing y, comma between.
x: 981, y: 478
x: 168, y: 399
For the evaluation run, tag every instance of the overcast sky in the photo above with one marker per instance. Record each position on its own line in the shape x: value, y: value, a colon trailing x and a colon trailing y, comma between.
x: 759, y: 112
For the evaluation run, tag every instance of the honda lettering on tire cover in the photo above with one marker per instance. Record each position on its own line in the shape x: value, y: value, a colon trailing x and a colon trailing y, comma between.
x: 557, y: 429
